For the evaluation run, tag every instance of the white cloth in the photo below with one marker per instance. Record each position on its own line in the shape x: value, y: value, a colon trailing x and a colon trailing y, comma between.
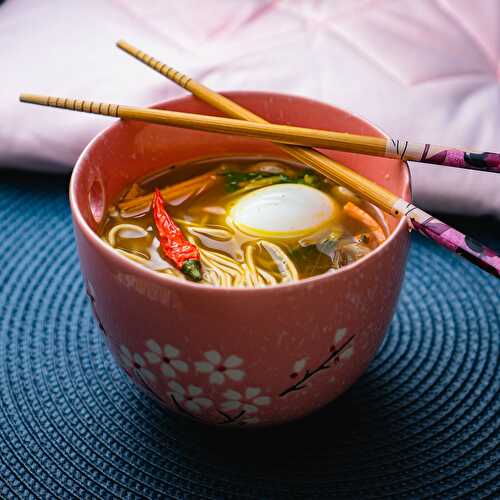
x: 423, y: 70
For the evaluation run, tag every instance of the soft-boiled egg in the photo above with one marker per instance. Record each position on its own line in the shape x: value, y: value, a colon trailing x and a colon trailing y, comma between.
x: 283, y: 211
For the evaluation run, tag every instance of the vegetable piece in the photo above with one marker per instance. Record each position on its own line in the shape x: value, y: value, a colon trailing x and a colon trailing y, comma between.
x: 357, y: 213
x: 194, y: 186
x: 338, y: 249
x: 315, y: 258
x: 180, y: 251
x: 259, y: 183
x: 309, y: 179
x: 354, y: 251
x: 133, y: 192
x: 329, y: 245
x: 271, y: 167
x: 236, y: 181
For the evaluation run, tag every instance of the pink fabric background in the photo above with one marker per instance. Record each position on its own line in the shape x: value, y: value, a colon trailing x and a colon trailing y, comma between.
x: 425, y: 70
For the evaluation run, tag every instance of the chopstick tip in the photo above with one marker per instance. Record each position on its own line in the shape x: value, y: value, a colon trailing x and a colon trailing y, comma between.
x: 24, y: 97
x: 33, y: 98
x: 123, y: 44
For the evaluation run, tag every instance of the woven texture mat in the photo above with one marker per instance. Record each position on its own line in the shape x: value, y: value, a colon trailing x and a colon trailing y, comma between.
x: 423, y: 421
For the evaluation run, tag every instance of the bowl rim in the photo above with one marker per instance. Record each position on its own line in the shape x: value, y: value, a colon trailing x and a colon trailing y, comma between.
x: 161, y: 278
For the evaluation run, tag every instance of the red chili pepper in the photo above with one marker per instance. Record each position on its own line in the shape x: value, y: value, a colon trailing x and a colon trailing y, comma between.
x: 181, y: 252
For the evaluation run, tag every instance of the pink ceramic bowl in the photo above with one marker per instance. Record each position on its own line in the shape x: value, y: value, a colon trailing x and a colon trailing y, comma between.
x: 234, y: 356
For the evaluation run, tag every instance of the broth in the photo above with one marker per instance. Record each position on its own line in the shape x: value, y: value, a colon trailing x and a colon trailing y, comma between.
x: 249, y: 231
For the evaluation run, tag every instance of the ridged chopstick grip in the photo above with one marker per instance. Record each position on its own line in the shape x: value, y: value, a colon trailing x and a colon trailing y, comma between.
x: 98, y: 108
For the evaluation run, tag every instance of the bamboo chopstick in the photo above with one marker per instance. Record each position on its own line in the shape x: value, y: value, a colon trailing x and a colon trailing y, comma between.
x: 389, y: 202
x: 341, y: 174
x: 376, y: 146
x: 418, y: 219
x: 422, y: 222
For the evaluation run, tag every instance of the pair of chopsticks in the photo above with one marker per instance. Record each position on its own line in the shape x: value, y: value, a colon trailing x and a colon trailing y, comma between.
x: 255, y: 126
x: 286, y: 134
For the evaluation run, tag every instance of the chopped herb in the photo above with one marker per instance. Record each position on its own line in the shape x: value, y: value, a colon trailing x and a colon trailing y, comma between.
x: 309, y: 179
x: 238, y: 180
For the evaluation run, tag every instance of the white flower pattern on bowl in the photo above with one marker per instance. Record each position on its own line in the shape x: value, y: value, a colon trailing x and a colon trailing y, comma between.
x: 168, y: 357
x: 191, y: 398
x: 249, y: 402
x: 136, y: 364
x: 219, y: 369
x: 237, y: 407
x: 298, y: 367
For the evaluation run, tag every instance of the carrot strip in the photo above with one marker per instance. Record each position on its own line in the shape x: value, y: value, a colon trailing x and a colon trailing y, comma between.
x: 133, y: 192
x: 360, y: 215
x: 196, y: 184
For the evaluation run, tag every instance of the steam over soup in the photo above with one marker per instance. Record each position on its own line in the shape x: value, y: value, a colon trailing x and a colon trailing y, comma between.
x: 242, y: 222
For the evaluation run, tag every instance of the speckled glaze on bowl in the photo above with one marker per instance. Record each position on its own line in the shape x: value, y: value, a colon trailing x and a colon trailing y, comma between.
x: 234, y: 356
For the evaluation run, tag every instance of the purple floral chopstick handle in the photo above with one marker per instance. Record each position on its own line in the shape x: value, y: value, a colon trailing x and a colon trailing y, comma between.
x: 487, y: 162
x: 438, y: 155
x: 449, y: 238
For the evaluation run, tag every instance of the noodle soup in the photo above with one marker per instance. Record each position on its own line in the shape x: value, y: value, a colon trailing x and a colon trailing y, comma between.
x: 253, y: 222
x: 299, y: 345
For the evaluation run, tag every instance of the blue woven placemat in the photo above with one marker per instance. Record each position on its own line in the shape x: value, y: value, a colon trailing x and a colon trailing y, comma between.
x: 423, y: 421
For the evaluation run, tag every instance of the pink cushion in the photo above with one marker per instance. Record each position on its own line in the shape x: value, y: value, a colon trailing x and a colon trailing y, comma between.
x: 425, y: 70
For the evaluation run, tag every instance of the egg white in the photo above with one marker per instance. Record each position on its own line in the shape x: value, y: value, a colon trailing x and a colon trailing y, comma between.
x: 283, y: 211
